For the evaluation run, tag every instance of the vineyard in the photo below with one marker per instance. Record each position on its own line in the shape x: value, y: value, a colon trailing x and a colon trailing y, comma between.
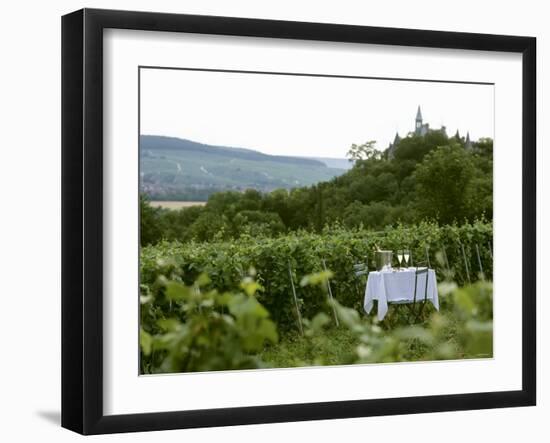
x: 249, y: 282
x: 270, y: 279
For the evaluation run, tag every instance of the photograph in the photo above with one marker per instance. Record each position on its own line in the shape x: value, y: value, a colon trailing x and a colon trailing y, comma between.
x: 292, y: 219
x: 274, y: 222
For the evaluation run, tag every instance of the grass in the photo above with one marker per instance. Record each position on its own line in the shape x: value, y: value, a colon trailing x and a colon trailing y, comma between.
x: 336, y: 346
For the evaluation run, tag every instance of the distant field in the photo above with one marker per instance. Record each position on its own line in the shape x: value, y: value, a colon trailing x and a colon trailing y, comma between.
x: 175, y: 205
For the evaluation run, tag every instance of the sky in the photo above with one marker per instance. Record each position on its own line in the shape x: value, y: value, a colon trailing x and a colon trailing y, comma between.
x: 304, y: 116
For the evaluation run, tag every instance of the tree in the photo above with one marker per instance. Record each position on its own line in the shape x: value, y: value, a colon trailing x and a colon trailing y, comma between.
x: 364, y: 152
x: 177, y: 223
x: 223, y: 202
x: 443, y: 182
x: 209, y: 225
x: 374, y: 215
x: 415, y: 147
x: 150, y: 222
x: 250, y: 200
x: 430, y: 177
x: 257, y: 223
x: 484, y: 146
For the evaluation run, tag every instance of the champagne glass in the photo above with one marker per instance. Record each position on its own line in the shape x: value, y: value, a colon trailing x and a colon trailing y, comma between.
x: 406, y: 255
x: 400, y: 256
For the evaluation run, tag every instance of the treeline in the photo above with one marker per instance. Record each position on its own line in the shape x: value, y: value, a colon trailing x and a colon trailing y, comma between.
x: 188, y: 194
x: 430, y: 178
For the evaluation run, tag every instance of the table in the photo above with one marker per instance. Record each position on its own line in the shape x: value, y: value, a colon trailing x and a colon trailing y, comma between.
x: 391, y: 286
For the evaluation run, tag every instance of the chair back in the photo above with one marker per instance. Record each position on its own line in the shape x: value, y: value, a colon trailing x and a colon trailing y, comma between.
x: 421, y: 268
x: 360, y: 269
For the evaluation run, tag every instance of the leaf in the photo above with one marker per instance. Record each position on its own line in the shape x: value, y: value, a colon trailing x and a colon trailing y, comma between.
x: 319, y: 322
x: 208, y: 303
x: 250, y: 286
x: 145, y: 341
x: 445, y: 288
x: 464, y: 301
x: 144, y: 299
x: 318, y: 278
x: 169, y: 324
x: 348, y: 316
x: 177, y: 291
x: 202, y: 280
x: 415, y: 332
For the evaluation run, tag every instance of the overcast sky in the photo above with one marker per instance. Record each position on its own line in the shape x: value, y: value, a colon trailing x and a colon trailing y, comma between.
x: 304, y: 116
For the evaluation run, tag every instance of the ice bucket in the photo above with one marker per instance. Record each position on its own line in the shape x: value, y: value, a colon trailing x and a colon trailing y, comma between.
x: 383, y: 259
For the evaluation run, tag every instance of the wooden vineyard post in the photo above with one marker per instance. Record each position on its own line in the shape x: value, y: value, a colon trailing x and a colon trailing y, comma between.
x: 446, y: 259
x: 465, y: 263
x: 295, y: 299
x: 330, y: 295
x: 479, y: 263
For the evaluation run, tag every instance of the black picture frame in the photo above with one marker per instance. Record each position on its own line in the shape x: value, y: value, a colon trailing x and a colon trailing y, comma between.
x: 82, y: 218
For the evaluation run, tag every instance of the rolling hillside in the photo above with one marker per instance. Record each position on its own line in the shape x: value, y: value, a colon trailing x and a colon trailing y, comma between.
x: 179, y: 169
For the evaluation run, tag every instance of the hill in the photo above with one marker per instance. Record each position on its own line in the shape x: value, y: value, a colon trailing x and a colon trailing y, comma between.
x: 180, y: 169
x: 339, y: 163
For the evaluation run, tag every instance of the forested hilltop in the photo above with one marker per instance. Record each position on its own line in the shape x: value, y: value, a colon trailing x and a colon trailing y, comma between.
x: 431, y: 177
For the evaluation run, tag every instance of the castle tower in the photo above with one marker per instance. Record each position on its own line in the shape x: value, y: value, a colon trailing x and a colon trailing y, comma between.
x: 418, y: 122
x: 468, y: 143
x: 392, y: 147
x: 397, y: 139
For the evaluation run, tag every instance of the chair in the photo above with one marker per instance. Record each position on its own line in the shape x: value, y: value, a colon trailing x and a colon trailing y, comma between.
x: 416, y: 307
x: 421, y: 268
x: 360, y: 269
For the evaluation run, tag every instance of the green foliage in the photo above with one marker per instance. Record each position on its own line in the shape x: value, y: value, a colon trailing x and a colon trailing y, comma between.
x: 257, y: 223
x: 227, y: 262
x: 209, y: 226
x: 444, y: 184
x: 363, y: 152
x: 321, y: 346
x: 187, y: 328
x: 251, y: 244
x: 462, y: 330
x: 201, y: 329
x: 375, y: 214
x: 150, y: 226
x: 431, y: 177
x: 416, y: 147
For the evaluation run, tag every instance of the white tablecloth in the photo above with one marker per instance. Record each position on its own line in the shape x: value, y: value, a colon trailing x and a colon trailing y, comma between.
x: 398, y: 286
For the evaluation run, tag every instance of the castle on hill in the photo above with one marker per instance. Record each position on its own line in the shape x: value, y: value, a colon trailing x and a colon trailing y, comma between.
x: 422, y: 129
